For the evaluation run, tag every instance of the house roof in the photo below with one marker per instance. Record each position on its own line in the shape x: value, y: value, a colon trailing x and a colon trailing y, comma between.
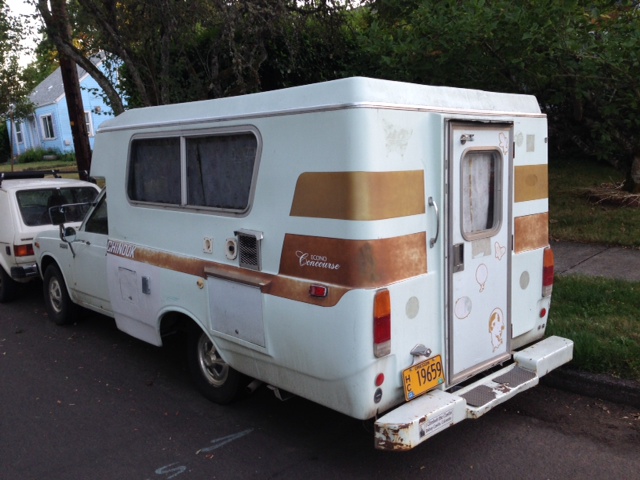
x: 51, y: 88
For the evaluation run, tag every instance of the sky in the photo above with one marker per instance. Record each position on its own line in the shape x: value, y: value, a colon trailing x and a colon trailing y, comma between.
x: 20, y: 7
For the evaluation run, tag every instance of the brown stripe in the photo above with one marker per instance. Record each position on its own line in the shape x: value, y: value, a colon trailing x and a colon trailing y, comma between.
x: 531, y: 232
x: 359, y: 195
x: 531, y: 183
x: 343, y: 265
x: 354, y: 263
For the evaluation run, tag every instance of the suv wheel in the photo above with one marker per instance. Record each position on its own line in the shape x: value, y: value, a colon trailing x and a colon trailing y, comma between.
x: 60, y: 308
x: 8, y: 287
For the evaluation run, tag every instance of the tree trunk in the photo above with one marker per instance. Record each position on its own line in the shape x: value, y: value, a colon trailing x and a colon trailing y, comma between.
x: 632, y: 185
x: 68, y: 49
x: 72, y: 92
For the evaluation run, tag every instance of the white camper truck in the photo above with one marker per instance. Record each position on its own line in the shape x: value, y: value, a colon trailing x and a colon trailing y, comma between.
x: 379, y: 248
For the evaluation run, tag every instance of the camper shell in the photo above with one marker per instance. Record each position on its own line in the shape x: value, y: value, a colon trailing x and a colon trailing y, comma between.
x: 380, y: 248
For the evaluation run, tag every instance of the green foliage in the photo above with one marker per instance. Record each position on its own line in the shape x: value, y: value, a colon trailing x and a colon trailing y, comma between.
x: 601, y: 317
x: 37, y: 155
x: 5, y: 148
x: 580, y: 59
x: 13, y: 101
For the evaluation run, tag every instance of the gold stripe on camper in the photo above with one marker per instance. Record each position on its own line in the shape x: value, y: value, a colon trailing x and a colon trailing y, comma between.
x: 531, y: 232
x: 359, y: 195
x: 531, y: 183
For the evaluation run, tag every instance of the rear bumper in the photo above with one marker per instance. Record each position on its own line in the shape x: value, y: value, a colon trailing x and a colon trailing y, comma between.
x: 414, y: 422
x: 23, y: 272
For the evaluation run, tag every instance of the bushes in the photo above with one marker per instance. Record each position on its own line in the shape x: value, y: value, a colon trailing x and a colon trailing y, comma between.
x: 41, y: 154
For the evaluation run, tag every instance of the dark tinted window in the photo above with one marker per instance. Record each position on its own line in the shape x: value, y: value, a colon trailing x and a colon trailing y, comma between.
x: 220, y: 169
x: 154, y: 171
x: 34, y: 204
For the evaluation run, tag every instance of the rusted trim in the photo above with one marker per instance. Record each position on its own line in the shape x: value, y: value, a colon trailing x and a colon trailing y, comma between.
x: 531, y: 232
x: 359, y: 195
x: 354, y: 263
x: 531, y: 182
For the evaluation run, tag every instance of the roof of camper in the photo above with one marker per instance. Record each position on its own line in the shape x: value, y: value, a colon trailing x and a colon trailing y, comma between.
x: 344, y: 93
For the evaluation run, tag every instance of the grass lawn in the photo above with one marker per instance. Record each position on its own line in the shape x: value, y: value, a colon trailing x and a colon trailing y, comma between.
x: 573, y: 217
x: 601, y: 316
x: 48, y: 165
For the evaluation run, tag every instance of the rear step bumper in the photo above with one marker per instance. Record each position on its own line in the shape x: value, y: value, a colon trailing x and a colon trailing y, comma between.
x: 414, y: 422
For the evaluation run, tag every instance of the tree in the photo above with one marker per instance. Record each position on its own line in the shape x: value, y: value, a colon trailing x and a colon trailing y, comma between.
x: 14, y: 103
x: 181, y: 51
x: 581, y: 59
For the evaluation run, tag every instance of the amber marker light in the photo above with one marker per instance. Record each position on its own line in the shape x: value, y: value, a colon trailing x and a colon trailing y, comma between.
x: 382, y: 323
x: 547, y: 272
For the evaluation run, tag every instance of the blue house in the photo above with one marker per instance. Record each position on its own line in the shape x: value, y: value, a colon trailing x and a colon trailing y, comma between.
x: 49, y: 127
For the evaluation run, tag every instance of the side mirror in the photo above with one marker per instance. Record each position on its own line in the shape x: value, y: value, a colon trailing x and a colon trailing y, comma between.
x: 67, y: 234
x: 58, y: 215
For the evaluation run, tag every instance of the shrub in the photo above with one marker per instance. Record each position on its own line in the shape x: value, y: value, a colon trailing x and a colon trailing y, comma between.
x: 38, y: 154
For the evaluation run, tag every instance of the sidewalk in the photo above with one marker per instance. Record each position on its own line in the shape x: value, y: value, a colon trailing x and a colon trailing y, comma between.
x: 595, y: 261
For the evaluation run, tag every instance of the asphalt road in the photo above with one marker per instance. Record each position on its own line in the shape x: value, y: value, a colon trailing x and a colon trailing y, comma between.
x: 89, y: 402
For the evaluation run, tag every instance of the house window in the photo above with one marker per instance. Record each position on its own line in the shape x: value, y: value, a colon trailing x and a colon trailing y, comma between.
x: 89, y: 121
x: 47, y: 127
x: 19, y: 135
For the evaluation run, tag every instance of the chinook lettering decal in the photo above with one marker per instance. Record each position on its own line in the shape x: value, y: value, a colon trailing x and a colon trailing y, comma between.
x: 121, y: 249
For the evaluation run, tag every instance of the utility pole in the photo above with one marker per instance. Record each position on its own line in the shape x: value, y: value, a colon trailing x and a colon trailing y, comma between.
x: 72, y: 91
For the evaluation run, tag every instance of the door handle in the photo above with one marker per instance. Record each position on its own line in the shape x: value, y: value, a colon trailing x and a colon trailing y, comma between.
x: 458, y: 257
x: 432, y: 241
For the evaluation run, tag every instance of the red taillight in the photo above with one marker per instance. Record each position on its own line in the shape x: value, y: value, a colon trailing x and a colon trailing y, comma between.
x: 382, y: 324
x: 23, y: 250
x: 547, y: 272
x: 318, y: 291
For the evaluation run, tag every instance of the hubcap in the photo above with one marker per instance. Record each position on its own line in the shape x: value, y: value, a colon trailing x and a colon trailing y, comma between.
x: 55, y: 295
x: 212, y: 366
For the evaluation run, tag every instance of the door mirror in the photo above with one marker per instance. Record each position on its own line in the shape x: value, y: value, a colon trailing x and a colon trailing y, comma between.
x: 57, y: 215
x: 68, y: 234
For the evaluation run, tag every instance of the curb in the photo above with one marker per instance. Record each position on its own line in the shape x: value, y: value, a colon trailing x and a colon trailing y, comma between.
x: 604, y: 387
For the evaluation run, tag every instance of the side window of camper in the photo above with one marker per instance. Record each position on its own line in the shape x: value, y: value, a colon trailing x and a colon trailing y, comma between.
x: 480, y: 198
x: 154, y: 170
x: 220, y: 169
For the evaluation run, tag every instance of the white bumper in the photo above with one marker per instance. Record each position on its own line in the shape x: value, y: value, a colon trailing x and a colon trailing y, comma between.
x: 414, y: 422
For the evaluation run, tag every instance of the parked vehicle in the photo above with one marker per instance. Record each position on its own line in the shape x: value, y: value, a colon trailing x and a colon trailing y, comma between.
x: 25, y: 198
x: 379, y: 248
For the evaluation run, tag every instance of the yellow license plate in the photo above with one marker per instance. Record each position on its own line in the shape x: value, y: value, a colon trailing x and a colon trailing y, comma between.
x: 422, y: 377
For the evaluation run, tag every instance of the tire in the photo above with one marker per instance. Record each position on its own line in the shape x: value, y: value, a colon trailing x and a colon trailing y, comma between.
x: 212, y: 376
x: 8, y: 287
x: 60, y: 308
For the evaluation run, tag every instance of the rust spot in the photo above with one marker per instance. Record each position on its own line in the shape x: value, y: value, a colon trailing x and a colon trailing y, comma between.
x: 504, y: 388
x: 391, y: 439
x: 531, y: 232
x: 354, y: 263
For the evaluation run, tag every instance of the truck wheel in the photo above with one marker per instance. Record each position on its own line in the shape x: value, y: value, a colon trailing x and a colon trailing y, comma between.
x: 213, y: 377
x: 8, y: 287
x: 60, y: 308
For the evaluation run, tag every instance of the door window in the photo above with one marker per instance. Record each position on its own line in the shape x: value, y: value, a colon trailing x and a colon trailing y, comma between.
x: 97, y: 222
x: 480, y: 172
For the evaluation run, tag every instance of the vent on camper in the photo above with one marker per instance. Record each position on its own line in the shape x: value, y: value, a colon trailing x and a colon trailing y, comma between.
x: 249, y: 249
